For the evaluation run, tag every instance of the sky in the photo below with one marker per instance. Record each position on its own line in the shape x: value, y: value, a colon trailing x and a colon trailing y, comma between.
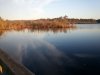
x: 36, y: 9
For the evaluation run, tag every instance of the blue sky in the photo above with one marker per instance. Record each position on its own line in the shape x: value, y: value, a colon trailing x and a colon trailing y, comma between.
x: 35, y: 9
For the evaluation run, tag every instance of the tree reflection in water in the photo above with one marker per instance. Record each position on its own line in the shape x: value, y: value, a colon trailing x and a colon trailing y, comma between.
x: 55, y: 51
x: 54, y: 30
x: 42, y: 52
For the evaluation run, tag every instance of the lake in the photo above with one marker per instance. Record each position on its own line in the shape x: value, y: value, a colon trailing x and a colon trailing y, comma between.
x: 71, y: 51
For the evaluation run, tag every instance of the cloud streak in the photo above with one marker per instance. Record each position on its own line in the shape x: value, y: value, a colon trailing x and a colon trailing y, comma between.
x: 22, y: 8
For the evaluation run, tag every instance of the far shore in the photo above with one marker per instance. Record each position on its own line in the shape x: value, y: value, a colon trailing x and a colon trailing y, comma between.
x: 60, y: 22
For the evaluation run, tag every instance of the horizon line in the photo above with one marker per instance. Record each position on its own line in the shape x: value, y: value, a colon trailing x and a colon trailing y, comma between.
x: 47, y: 18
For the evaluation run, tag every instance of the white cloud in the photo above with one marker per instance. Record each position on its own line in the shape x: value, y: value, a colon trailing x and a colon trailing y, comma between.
x: 24, y: 8
x: 34, y: 4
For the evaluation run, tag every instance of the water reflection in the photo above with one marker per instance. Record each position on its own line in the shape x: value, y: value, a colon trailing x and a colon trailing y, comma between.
x: 55, y: 52
x: 29, y: 48
x: 54, y: 30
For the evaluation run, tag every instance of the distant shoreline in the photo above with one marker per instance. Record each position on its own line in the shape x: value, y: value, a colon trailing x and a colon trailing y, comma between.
x: 60, y: 22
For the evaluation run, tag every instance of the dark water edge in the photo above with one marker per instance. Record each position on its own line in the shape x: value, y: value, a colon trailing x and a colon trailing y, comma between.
x: 6, y: 70
x: 58, y: 52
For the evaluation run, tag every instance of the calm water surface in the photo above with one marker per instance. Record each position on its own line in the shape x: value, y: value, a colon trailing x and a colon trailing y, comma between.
x: 74, y: 51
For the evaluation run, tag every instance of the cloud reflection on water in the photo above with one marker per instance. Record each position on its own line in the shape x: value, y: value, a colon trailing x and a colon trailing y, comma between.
x: 57, y: 52
x: 35, y: 53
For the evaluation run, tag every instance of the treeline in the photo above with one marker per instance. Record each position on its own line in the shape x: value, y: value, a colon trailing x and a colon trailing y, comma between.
x: 60, y: 22
x: 98, y: 21
x: 40, y: 23
x: 82, y: 21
